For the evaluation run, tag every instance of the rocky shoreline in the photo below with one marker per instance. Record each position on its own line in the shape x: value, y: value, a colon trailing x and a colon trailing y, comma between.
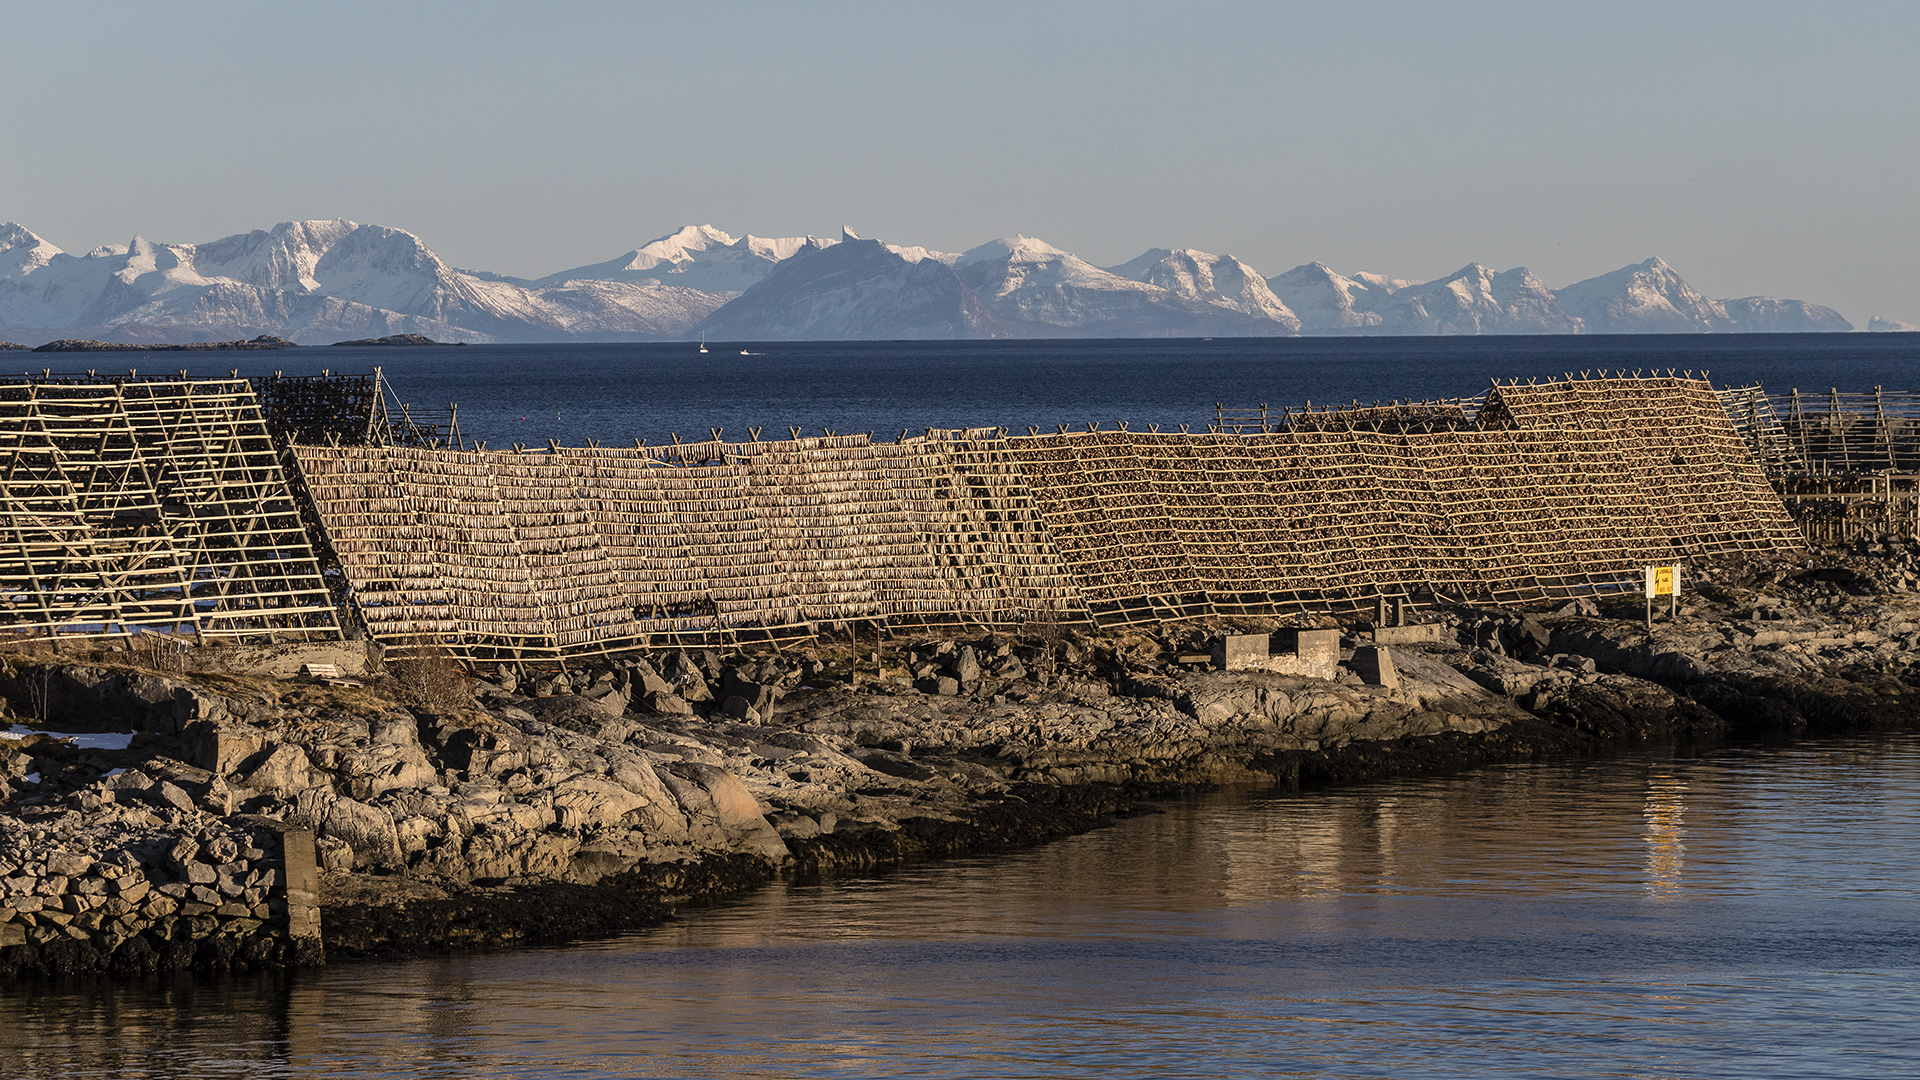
x: 449, y: 810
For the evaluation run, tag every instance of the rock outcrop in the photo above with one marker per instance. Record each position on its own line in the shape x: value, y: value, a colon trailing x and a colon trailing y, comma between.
x: 529, y: 804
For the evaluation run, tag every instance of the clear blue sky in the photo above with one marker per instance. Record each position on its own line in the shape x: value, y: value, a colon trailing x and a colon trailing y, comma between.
x: 1761, y: 148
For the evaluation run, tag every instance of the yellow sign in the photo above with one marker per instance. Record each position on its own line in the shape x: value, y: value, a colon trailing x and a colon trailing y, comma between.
x: 1663, y: 581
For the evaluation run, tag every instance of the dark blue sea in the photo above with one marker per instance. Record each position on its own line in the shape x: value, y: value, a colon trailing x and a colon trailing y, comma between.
x: 620, y: 392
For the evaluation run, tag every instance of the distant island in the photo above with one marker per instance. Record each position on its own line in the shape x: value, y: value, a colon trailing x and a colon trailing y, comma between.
x: 264, y: 341
x: 398, y: 339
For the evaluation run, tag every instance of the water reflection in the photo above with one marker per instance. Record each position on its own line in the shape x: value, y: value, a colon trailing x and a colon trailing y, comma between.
x: 1514, y: 922
x: 1666, y: 855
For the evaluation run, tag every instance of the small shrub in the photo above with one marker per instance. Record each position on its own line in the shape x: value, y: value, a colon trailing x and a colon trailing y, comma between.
x: 432, y: 679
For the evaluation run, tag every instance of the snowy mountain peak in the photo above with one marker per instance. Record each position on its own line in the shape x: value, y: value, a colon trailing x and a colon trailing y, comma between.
x: 1017, y: 249
x: 1646, y: 298
x: 22, y: 252
x: 848, y: 234
x: 1215, y: 279
x: 855, y: 290
x: 1477, y: 299
x: 1325, y: 300
x: 1383, y: 283
x: 679, y: 246
x: 694, y: 257
x: 14, y: 235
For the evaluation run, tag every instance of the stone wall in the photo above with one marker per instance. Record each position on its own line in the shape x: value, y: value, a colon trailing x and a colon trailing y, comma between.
x: 237, y: 894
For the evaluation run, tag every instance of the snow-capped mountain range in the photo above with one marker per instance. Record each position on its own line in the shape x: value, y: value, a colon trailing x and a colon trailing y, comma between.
x: 320, y: 281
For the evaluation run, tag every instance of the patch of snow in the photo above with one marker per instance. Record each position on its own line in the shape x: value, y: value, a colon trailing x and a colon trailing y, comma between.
x: 85, y: 740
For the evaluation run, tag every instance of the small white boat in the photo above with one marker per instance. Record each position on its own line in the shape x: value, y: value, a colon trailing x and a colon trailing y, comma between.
x: 703, y: 343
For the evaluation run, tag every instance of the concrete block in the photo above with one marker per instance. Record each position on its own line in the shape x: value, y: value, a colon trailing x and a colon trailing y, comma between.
x: 302, y: 870
x: 1311, y: 653
x: 1245, y: 652
x: 1374, y: 665
x: 1317, y: 646
x: 1412, y: 635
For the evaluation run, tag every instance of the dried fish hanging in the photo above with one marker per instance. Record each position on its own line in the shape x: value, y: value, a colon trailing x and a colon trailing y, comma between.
x: 1563, y: 488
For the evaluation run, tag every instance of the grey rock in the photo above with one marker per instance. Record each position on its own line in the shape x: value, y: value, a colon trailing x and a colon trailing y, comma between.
x: 688, y: 680
x: 285, y: 771
x: 967, y: 667
x: 661, y: 703
x: 68, y: 865
x: 368, y: 830
x: 167, y: 793
x: 717, y: 804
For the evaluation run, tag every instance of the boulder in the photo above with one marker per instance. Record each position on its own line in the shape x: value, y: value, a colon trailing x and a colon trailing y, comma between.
x: 368, y: 830
x: 221, y: 748
x: 594, y: 802
x: 759, y: 696
x: 576, y: 713
x: 284, y: 769
x: 386, y: 767
x: 661, y: 703
x: 688, y: 680
x: 966, y: 668
x: 719, y: 808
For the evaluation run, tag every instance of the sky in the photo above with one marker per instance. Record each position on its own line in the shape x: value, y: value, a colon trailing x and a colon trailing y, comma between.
x: 1760, y: 148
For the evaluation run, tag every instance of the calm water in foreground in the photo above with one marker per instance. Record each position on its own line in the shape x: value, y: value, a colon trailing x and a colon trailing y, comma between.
x: 1742, y: 913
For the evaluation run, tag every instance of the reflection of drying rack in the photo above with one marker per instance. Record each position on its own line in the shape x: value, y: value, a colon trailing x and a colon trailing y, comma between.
x: 349, y: 410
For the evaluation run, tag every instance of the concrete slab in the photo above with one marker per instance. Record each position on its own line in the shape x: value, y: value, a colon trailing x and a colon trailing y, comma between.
x: 280, y: 661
